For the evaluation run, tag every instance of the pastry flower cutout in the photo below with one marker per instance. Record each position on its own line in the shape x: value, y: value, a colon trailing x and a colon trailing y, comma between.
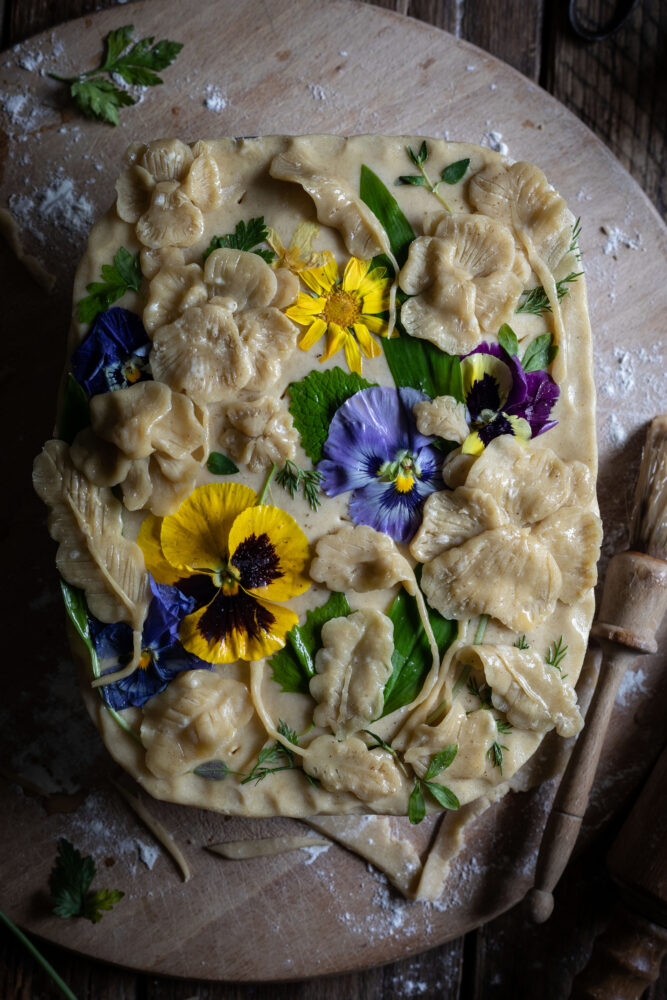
x: 512, y: 541
x: 235, y: 560
x: 344, y: 311
x: 462, y: 280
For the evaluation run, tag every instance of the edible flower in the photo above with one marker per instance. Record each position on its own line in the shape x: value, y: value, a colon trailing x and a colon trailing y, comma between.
x: 114, y: 354
x: 162, y: 655
x: 375, y: 450
x: 501, y: 398
x: 234, y: 559
x: 299, y: 254
x: 345, y: 311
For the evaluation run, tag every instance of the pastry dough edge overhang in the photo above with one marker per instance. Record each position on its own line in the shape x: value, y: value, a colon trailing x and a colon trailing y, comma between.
x: 572, y: 438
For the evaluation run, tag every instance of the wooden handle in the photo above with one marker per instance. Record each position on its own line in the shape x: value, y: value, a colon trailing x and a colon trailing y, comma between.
x: 634, y: 601
x: 571, y: 800
x: 625, y: 960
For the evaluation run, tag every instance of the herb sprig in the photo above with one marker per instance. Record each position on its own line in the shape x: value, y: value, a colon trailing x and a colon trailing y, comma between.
x: 134, y: 62
x: 291, y: 477
x: 69, y: 885
x: 452, y: 174
x: 536, y: 301
x: 278, y: 755
x: 555, y: 655
x: 124, y: 275
x: 538, y: 355
x: 521, y: 642
x: 443, y: 795
x: 246, y: 236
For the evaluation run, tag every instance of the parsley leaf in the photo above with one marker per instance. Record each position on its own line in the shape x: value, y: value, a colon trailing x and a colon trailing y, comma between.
x: 245, y: 237
x: 315, y: 399
x: 98, y: 97
x: 294, y: 664
x: 69, y: 885
x: 122, y: 276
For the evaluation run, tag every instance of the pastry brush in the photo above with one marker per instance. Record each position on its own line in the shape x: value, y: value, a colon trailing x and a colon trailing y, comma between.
x: 634, y: 601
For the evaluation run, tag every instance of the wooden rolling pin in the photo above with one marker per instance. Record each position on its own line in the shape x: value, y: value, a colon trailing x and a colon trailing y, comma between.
x: 633, y: 604
x: 627, y: 958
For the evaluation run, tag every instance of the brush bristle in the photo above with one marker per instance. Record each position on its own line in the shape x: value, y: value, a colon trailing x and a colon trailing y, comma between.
x: 649, y: 521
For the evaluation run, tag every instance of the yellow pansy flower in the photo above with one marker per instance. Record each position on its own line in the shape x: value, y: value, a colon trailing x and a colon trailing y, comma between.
x: 343, y: 310
x: 234, y: 560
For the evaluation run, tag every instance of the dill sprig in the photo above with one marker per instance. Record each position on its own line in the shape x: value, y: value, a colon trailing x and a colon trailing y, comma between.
x: 495, y: 754
x: 278, y: 755
x: 291, y: 477
x: 521, y: 643
x: 574, y: 243
x: 536, y: 302
x: 555, y: 655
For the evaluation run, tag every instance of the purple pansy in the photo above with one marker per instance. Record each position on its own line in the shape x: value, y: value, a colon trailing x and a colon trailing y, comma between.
x: 114, y: 354
x: 501, y: 398
x: 375, y: 450
x: 162, y: 656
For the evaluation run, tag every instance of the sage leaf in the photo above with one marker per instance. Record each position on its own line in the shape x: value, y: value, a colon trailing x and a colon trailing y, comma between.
x: 212, y: 770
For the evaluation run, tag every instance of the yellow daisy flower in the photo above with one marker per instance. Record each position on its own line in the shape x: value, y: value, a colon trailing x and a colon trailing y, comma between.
x: 343, y: 310
x: 233, y: 559
x: 299, y: 254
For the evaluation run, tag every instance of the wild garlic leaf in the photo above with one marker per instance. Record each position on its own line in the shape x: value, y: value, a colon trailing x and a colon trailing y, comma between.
x: 294, y: 664
x: 122, y: 276
x: 416, y: 805
x: 418, y: 364
x: 455, y: 171
x: 75, y: 414
x: 314, y: 401
x: 385, y: 208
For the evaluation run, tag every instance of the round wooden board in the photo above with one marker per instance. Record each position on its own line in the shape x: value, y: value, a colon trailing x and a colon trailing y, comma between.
x: 250, y: 68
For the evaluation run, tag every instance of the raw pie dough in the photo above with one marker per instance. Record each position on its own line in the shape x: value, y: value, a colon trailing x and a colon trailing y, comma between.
x: 509, y: 537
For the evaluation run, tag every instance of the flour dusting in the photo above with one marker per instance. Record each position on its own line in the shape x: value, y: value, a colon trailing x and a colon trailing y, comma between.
x: 494, y: 140
x: 215, y: 99
x: 57, y: 204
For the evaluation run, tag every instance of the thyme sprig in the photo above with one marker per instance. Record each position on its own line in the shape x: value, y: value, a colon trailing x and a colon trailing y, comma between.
x: 291, y: 477
x: 451, y: 174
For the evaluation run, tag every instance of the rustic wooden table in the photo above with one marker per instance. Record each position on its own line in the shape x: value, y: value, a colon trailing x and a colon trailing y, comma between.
x: 617, y: 87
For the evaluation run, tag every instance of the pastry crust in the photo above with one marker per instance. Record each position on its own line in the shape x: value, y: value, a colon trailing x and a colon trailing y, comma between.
x: 282, y: 653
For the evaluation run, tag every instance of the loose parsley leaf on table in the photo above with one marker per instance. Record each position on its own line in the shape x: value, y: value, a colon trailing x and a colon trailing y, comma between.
x: 122, y: 276
x: 99, y: 97
x: 246, y: 236
x: 69, y: 884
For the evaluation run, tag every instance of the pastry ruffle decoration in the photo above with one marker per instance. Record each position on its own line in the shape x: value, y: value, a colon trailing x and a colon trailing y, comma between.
x: 235, y: 560
x: 375, y: 450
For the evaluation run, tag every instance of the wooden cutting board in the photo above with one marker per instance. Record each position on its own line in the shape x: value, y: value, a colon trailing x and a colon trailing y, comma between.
x: 249, y: 68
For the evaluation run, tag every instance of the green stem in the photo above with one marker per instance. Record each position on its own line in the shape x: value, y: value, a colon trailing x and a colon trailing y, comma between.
x: 48, y: 968
x: 262, y: 495
x: 433, y: 188
x: 481, y: 629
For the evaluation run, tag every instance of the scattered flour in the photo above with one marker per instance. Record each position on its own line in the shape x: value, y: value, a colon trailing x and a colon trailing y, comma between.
x: 317, y: 92
x: 315, y: 851
x: 494, y: 140
x: 30, y: 60
x: 215, y: 100
x: 470, y: 68
x: 632, y: 685
x: 58, y: 204
x: 617, y: 238
x: 617, y: 434
x: 148, y: 853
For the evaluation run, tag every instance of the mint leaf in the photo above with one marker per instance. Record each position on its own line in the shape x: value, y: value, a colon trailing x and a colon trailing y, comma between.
x: 421, y: 365
x: 314, y: 401
x: 219, y: 465
x: 441, y: 760
x: 455, y: 171
x: 97, y: 97
x: 508, y: 340
x: 117, y: 278
x: 443, y: 795
x: 212, y: 770
x: 294, y: 664
x: 385, y: 208
x: 412, y: 659
x: 540, y: 353
x: 246, y: 236
x: 75, y: 414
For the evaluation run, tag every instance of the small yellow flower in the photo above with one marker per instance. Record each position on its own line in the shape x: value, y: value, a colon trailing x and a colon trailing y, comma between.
x: 299, y: 254
x: 346, y: 311
x: 233, y: 559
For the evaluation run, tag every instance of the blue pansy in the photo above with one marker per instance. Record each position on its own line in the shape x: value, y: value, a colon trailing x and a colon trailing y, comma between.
x: 114, y: 354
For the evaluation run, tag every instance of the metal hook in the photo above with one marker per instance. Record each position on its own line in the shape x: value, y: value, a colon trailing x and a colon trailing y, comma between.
x: 617, y: 21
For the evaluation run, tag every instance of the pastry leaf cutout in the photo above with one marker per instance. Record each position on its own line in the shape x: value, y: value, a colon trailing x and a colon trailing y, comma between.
x: 92, y: 552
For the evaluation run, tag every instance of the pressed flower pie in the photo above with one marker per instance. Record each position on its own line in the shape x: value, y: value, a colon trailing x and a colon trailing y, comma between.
x: 323, y: 489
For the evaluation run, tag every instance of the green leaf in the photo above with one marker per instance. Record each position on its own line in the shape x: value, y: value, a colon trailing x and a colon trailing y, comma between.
x: 415, y: 179
x: 138, y: 64
x: 455, y: 171
x: 294, y: 664
x: 77, y: 609
x: 416, y: 805
x: 121, y: 276
x: 412, y: 659
x: 421, y: 365
x: 314, y: 401
x: 98, y: 98
x: 540, y: 353
x: 219, y: 465
x: 75, y: 414
x: 212, y: 770
x: 69, y: 884
x: 95, y: 903
x: 508, y: 340
x: 115, y: 43
x: 246, y: 236
x: 443, y: 795
x: 385, y: 208
x: 441, y: 760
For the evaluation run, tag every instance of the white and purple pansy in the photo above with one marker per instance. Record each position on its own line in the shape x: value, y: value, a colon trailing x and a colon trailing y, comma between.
x: 162, y: 655
x: 375, y: 450
x: 502, y: 398
x: 114, y: 354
